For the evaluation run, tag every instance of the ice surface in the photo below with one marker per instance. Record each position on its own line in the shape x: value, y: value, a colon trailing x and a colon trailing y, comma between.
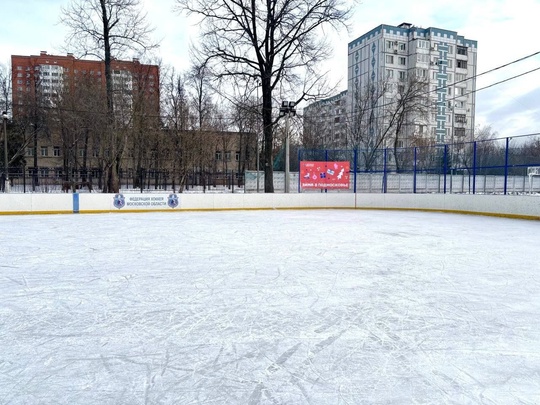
x: 269, y: 307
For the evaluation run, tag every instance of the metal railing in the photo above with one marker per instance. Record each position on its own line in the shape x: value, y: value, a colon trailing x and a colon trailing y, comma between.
x: 487, y: 166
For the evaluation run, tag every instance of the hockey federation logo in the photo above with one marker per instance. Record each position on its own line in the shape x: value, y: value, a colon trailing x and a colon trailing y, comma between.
x: 119, y: 201
x: 173, y: 201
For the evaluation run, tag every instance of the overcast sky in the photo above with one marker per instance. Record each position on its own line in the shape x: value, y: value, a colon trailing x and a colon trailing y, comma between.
x: 505, y: 31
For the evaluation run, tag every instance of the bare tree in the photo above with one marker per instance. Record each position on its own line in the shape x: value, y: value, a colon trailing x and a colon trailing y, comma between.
x: 5, y: 88
x: 409, y: 106
x: 108, y: 29
x: 175, y: 110
x: 276, y: 43
x: 246, y: 122
x: 368, y: 127
x: 198, y: 80
x: 384, y: 114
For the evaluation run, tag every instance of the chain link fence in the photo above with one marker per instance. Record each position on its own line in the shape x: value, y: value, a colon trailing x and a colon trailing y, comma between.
x: 494, y: 166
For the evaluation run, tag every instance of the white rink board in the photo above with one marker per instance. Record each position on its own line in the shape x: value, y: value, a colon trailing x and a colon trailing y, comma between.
x: 526, y: 206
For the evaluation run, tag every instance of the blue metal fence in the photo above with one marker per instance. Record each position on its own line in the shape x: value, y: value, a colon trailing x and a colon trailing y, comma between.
x: 494, y: 159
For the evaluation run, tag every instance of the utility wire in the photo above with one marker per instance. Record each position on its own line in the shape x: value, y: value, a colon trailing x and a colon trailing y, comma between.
x: 436, y: 90
x: 427, y: 93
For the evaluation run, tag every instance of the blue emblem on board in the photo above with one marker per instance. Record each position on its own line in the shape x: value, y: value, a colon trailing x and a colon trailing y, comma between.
x: 173, y: 201
x: 119, y: 201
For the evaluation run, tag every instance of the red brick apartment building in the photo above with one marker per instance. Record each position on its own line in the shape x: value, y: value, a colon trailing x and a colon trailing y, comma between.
x: 46, y: 75
x: 49, y: 89
x: 60, y: 102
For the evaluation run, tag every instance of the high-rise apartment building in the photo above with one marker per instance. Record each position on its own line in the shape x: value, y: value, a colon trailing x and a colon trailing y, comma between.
x: 406, y: 84
x: 44, y: 78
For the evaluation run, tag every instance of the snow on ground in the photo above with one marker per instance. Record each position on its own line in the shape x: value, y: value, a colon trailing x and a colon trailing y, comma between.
x: 269, y: 307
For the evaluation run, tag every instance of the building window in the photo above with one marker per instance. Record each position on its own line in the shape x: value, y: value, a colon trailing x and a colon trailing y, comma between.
x: 461, y: 118
x: 390, y: 59
x: 402, y: 75
x: 228, y: 156
x: 450, y: 50
x: 420, y: 57
x: 450, y: 63
x: 389, y: 44
x: 30, y: 151
x: 402, y: 46
x: 461, y: 50
x: 44, y: 172
x: 218, y: 155
x: 459, y: 132
x: 389, y: 73
x: 462, y: 64
x: 44, y: 151
x: 423, y: 44
x: 450, y: 77
x: 237, y: 156
x: 56, y: 151
x: 402, y: 61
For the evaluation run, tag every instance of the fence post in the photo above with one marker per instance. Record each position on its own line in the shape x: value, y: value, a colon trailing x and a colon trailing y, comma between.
x: 384, y: 172
x: 506, y: 154
x: 474, y: 169
x: 355, y: 162
x: 414, y: 172
x: 326, y: 160
x: 445, y: 166
x: 299, y: 168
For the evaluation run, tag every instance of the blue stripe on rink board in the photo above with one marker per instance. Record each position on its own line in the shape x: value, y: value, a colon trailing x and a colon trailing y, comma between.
x: 75, y: 203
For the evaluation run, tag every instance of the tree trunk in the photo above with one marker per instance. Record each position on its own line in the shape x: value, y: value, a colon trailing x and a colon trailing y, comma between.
x: 268, y: 136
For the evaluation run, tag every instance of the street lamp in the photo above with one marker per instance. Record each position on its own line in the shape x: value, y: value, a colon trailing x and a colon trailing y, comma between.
x: 287, y: 108
x: 6, y: 185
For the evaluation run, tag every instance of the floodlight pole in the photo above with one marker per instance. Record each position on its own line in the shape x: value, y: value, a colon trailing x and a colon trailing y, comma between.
x: 257, y: 138
x: 287, y: 108
x: 287, y: 155
x: 6, y: 184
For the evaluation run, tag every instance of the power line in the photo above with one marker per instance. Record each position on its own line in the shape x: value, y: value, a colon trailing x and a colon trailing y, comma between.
x: 437, y: 89
x: 427, y: 93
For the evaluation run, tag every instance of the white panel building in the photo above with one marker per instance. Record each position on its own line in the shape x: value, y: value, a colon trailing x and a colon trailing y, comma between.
x: 383, y: 63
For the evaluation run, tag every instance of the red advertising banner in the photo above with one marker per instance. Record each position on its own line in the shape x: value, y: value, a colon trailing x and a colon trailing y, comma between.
x: 331, y: 175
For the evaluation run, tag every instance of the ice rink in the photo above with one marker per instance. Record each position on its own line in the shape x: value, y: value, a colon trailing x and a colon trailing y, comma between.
x: 269, y: 307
